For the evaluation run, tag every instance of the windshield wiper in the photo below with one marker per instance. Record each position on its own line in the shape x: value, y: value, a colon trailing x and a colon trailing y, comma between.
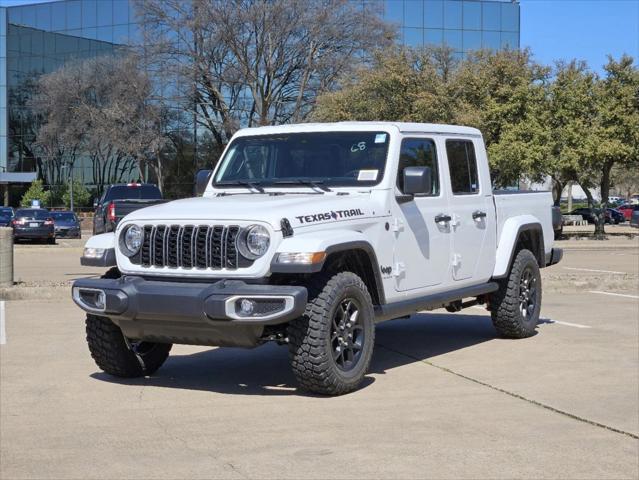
x: 313, y: 183
x: 243, y: 183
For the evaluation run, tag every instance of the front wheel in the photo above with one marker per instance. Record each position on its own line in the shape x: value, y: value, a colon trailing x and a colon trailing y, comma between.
x: 331, y: 345
x: 119, y: 356
x: 515, y: 307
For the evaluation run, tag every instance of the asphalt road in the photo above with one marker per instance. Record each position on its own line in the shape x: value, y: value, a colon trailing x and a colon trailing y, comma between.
x: 445, y: 398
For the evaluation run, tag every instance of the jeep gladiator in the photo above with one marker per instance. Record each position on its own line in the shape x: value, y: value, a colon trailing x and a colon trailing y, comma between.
x: 307, y: 235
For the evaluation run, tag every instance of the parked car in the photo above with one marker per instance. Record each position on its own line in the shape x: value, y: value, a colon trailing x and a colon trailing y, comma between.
x: 33, y: 223
x: 616, y: 216
x: 119, y: 200
x: 308, y: 235
x: 627, y: 210
x: 66, y: 224
x: 588, y: 214
x: 557, y: 222
x: 615, y: 200
x: 634, y: 220
x: 6, y: 215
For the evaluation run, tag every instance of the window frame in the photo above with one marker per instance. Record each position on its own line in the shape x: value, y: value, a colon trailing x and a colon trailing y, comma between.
x: 437, y: 164
x: 450, y: 175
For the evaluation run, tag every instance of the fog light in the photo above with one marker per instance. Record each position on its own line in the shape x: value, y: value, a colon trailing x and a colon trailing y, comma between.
x: 247, y: 306
x: 100, y: 301
x: 94, y: 252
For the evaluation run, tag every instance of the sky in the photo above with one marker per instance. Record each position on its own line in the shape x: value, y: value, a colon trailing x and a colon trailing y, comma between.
x: 584, y: 29
x: 565, y: 29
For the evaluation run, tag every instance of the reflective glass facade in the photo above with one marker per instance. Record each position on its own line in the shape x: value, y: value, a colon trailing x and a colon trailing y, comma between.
x: 464, y: 25
x: 39, y: 38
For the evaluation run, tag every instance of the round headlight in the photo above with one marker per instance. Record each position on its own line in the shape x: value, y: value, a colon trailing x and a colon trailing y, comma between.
x: 257, y: 240
x: 133, y: 236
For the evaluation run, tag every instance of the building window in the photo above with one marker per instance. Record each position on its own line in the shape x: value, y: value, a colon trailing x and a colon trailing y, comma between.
x: 472, y: 40
x: 453, y: 38
x: 491, y: 16
x: 434, y: 14
x: 414, y: 37
x: 414, y: 13
x: 510, y: 17
x: 472, y: 15
x: 453, y: 15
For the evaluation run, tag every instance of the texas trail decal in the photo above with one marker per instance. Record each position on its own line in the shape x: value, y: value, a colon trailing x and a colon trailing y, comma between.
x: 332, y: 215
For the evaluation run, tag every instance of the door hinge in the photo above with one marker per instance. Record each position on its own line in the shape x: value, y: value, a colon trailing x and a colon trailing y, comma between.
x: 398, y: 269
x: 456, y: 220
x: 398, y: 225
x: 456, y: 260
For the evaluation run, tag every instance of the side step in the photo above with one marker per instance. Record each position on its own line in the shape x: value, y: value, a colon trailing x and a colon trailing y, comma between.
x: 430, y: 302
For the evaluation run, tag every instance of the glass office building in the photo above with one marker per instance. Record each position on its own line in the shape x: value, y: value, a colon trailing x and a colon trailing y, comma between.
x: 39, y: 38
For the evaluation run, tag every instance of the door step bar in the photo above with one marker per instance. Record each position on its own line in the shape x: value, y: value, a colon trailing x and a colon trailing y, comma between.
x: 430, y: 302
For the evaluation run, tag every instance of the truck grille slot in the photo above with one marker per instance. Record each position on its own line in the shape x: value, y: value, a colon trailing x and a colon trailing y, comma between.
x: 190, y: 246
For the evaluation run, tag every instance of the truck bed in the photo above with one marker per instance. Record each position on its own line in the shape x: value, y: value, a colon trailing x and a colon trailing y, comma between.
x: 534, y: 204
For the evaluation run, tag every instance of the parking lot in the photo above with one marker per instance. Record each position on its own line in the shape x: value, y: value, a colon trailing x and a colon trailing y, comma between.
x: 445, y: 398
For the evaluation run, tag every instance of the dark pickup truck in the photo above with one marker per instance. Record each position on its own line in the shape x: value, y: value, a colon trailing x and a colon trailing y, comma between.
x: 119, y: 200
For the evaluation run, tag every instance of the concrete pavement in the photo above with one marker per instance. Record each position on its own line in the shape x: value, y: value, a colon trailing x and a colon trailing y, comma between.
x: 445, y: 398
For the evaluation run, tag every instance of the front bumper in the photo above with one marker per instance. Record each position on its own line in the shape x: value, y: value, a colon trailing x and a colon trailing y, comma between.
x: 190, y: 313
x: 554, y: 256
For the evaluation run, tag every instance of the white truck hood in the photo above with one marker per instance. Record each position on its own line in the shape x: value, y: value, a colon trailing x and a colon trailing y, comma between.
x: 300, y: 209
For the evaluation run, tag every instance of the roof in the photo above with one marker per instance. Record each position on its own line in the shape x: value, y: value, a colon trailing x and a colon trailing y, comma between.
x: 17, y: 177
x: 346, y: 126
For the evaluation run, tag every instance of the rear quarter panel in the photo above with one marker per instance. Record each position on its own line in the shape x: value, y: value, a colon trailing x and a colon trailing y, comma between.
x: 518, y: 209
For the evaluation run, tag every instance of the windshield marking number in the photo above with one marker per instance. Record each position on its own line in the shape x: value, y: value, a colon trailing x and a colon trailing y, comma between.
x: 358, y: 147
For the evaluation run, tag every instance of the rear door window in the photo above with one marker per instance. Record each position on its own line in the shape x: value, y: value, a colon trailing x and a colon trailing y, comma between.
x: 462, y: 164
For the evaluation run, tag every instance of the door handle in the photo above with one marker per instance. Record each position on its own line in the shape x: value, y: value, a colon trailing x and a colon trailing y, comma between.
x: 443, y: 218
x: 477, y: 214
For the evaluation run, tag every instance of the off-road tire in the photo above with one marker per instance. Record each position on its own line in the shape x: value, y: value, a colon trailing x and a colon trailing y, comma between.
x: 505, y: 302
x: 111, y: 353
x: 310, y: 344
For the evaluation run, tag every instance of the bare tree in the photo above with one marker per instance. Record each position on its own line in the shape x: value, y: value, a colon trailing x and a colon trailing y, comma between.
x: 258, y: 62
x: 103, y: 108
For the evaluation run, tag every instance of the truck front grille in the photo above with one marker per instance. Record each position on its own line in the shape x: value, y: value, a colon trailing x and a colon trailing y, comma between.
x: 190, y: 246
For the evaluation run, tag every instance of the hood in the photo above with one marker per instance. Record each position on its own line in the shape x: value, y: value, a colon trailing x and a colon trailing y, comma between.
x: 300, y: 209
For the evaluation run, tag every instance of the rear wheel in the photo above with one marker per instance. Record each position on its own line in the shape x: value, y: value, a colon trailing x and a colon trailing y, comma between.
x: 331, y: 345
x: 119, y: 356
x: 515, y: 307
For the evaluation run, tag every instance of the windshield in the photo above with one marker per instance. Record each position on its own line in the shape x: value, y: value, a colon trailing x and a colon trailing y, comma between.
x: 6, y: 212
x: 33, y: 214
x: 327, y: 158
x: 126, y: 192
x: 63, y: 216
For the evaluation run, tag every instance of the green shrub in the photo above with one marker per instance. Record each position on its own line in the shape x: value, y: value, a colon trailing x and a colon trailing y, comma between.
x: 36, y: 192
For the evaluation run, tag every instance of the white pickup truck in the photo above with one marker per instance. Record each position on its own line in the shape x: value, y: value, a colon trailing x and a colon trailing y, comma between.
x: 308, y: 235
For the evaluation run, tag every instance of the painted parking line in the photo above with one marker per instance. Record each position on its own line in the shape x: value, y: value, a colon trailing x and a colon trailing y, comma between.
x: 548, y: 320
x: 594, y: 270
x: 3, y: 333
x: 567, y: 324
x: 625, y: 295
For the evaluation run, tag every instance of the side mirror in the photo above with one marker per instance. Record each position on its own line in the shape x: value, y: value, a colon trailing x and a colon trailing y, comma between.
x: 202, y: 178
x: 417, y: 181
